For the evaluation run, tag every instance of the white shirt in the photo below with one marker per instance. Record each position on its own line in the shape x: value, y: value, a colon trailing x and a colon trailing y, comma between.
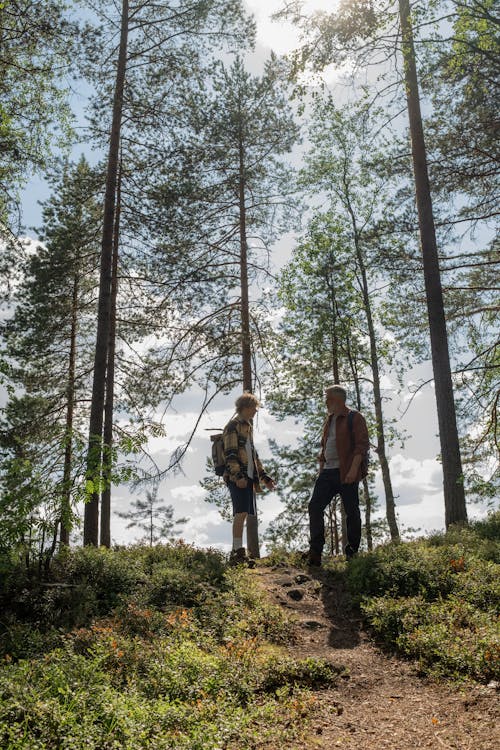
x: 331, y: 453
x: 249, y: 459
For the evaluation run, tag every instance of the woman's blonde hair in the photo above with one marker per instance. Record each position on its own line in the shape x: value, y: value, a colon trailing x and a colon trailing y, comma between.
x: 245, y: 400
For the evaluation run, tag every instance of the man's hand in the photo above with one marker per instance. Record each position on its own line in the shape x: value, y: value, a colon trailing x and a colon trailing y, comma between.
x: 352, y: 474
x: 270, y: 484
x: 242, y: 483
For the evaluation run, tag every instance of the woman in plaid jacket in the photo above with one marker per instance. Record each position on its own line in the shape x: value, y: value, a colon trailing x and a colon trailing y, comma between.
x: 244, y: 472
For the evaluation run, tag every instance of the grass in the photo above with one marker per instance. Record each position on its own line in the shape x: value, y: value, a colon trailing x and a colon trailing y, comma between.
x: 161, y: 647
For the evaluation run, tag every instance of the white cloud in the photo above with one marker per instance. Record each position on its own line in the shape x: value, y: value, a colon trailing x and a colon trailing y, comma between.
x: 414, y: 471
x: 386, y: 382
x: 191, y: 493
x: 418, y: 492
x: 205, y: 527
x: 427, y: 514
x: 413, y: 480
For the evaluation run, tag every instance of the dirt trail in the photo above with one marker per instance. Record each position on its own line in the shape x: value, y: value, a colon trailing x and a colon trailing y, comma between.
x: 383, y: 703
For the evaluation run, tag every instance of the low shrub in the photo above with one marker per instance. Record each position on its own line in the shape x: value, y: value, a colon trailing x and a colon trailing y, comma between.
x: 408, y: 569
x: 86, y: 583
x: 169, y: 649
x: 20, y: 640
x: 391, y: 617
x: 313, y: 673
x: 109, y: 574
x: 480, y: 538
x: 437, y: 600
x: 171, y: 585
x: 489, y: 527
x: 243, y: 610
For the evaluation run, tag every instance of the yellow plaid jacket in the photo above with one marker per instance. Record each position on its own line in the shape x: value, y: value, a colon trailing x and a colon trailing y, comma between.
x: 235, y: 436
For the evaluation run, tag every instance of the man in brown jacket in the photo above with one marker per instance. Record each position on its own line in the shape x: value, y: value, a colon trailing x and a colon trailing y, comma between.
x: 344, y: 445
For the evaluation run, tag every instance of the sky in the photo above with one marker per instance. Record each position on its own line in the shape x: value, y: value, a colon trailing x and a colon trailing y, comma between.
x: 415, y: 470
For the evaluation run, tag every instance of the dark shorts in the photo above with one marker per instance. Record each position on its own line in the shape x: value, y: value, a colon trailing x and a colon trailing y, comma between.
x: 243, y: 499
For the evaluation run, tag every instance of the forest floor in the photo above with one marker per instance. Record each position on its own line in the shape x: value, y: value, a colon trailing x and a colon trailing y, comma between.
x: 381, y: 702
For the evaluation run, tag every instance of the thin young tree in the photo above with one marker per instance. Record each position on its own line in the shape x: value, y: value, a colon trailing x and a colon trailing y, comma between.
x: 322, y: 334
x: 248, y: 129
x: 156, y: 520
x: 47, y: 340
x: 338, y: 165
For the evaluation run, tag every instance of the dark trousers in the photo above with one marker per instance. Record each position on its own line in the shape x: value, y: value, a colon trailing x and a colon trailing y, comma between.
x: 327, y: 486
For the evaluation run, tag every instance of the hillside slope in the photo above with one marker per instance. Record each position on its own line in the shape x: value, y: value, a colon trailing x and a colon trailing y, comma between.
x: 169, y: 648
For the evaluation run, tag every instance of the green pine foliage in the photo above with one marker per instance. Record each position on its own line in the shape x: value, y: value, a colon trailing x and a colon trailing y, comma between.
x: 46, y: 342
x: 38, y: 39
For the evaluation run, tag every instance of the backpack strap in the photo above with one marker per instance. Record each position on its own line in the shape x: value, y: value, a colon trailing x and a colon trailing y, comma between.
x: 350, y: 420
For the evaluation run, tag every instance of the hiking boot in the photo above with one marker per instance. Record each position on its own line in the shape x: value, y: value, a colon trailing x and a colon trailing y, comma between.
x: 238, y: 557
x: 312, y: 559
x: 349, y: 552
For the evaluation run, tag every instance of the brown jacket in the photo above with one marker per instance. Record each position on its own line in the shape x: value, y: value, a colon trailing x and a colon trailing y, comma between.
x: 348, y: 445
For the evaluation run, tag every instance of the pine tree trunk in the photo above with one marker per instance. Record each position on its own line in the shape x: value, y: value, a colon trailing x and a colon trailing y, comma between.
x: 110, y: 384
x: 390, y: 506
x: 368, y: 515
x: 454, y: 495
x: 366, y: 488
x: 245, y: 312
x: 333, y: 331
x: 253, y: 543
x: 334, y: 338
x: 94, y: 455
x: 70, y: 399
x: 343, y: 523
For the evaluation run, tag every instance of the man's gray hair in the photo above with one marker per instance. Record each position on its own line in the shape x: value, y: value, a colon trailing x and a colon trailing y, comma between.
x: 336, y: 390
